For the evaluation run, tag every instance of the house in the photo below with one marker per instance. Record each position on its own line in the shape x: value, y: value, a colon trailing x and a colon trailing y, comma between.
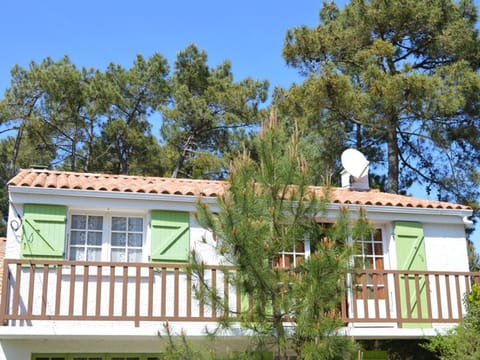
x: 95, y: 266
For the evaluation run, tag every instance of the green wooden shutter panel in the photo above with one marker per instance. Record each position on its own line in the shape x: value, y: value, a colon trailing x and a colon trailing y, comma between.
x: 375, y: 355
x: 170, y: 236
x: 410, y: 246
x: 43, y: 232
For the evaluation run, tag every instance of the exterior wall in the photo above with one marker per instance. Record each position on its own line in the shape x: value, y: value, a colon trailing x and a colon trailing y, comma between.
x: 14, y: 232
x: 22, y: 349
x: 446, y: 247
x: 203, y: 244
x: 200, y: 239
x: 3, y: 242
x: 446, y: 250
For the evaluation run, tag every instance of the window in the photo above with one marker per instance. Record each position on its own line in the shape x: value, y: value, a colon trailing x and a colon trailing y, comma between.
x: 127, y: 239
x: 106, y: 238
x: 292, y: 257
x: 86, y: 237
x: 369, y: 256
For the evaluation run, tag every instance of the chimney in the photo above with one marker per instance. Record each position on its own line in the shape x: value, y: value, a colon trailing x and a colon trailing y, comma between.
x: 351, y: 182
x: 355, y: 172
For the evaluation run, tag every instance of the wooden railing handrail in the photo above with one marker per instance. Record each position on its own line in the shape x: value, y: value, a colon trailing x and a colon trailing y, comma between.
x: 109, y: 264
x: 39, y: 289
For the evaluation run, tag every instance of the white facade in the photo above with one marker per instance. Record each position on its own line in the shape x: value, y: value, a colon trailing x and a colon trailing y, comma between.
x: 444, y: 241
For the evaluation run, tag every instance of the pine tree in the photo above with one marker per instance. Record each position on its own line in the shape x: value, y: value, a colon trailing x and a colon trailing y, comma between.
x: 269, y: 209
x: 398, y: 80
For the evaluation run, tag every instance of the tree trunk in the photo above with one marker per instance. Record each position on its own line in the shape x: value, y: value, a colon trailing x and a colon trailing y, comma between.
x: 392, y: 153
x: 182, y: 156
x: 16, y: 150
x: 73, y: 156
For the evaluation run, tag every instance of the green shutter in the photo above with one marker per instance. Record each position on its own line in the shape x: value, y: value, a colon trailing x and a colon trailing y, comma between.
x: 374, y: 355
x: 43, y: 231
x: 410, y: 247
x: 170, y: 236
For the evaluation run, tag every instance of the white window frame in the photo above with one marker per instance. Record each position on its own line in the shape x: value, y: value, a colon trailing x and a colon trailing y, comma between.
x: 385, y: 255
x: 363, y: 256
x: 282, y: 255
x: 107, y: 216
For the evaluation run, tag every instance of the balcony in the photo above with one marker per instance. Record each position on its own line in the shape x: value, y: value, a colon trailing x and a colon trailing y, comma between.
x: 43, y: 290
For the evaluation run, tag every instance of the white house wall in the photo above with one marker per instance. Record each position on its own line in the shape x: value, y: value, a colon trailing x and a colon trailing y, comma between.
x: 200, y: 239
x: 93, y: 340
x: 446, y: 247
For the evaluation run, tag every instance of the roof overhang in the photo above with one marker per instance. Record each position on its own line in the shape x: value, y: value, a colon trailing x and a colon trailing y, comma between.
x: 131, y: 200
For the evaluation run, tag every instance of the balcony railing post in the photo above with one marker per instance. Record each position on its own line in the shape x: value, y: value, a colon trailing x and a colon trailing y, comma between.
x: 5, y: 299
x: 137, y: 295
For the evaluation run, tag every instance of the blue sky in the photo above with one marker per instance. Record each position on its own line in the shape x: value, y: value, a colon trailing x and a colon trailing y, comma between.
x: 93, y: 33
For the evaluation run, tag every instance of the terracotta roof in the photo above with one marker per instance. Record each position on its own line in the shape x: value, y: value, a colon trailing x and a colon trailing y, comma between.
x: 187, y: 187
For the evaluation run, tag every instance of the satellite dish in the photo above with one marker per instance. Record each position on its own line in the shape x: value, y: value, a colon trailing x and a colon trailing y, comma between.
x: 354, y: 162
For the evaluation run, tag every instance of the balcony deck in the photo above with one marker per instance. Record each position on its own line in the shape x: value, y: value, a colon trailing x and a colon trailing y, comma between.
x: 42, y: 290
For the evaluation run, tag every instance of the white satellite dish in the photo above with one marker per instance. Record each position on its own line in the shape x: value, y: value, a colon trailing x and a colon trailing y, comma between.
x: 354, y: 162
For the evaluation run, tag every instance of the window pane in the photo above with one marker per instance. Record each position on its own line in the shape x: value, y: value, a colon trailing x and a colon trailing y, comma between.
x: 77, y: 254
x: 135, y: 224
x: 368, y: 249
x: 95, y: 222
x: 94, y: 238
x: 119, y: 223
x: 300, y: 246
x: 94, y: 254
x: 79, y: 222
x: 119, y: 239
x: 135, y: 240
x: 134, y: 255
x: 77, y: 237
x: 118, y: 255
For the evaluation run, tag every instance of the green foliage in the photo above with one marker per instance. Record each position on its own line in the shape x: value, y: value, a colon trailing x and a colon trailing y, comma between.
x: 269, y: 208
x: 84, y: 119
x: 127, y: 98
x: 177, y: 347
x: 403, y: 349
x: 462, y: 342
x: 474, y: 296
x: 397, y: 80
x: 209, y: 114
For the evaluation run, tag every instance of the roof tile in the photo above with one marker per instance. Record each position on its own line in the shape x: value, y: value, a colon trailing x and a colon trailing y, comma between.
x: 187, y: 187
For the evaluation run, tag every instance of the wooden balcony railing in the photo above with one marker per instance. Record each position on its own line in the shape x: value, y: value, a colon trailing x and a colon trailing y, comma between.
x: 38, y: 290
x: 402, y: 296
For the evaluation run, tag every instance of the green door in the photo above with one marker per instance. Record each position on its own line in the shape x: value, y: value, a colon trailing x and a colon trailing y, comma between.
x: 410, y: 248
